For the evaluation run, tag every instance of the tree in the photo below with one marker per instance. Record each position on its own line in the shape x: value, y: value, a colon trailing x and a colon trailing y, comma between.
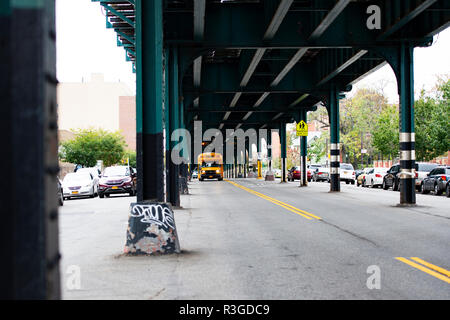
x: 131, y: 157
x: 432, y: 122
x: 317, y: 148
x: 91, y: 145
x: 358, y: 120
x: 385, y: 135
x: 292, y: 154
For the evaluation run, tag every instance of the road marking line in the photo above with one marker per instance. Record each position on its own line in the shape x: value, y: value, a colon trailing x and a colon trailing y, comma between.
x: 421, y: 268
x: 288, y: 207
x: 432, y: 266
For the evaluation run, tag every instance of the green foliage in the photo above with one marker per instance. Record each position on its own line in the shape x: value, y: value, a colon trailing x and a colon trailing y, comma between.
x: 317, y: 148
x: 131, y: 157
x: 91, y: 145
x: 432, y: 123
x: 358, y: 121
x: 386, y: 132
x: 293, y: 155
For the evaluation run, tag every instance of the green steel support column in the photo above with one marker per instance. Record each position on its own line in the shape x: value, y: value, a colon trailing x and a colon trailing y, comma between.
x: 303, y: 151
x: 167, y: 120
x: 333, y: 112
x: 407, y: 136
x: 258, y: 150
x: 269, y: 149
x: 174, y: 115
x: 29, y: 136
x: 235, y: 162
x: 245, y: 157
x: 269, y: 174
x: 283, y: 151
x: 149, y: 100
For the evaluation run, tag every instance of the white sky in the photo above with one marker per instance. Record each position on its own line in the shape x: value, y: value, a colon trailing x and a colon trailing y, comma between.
x: 86, y: 46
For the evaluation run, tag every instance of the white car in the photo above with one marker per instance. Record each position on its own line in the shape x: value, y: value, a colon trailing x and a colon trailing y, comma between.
x: 79, y: 185
x: 348, y: 173
x: 375, y: 177
x: 95, y: 172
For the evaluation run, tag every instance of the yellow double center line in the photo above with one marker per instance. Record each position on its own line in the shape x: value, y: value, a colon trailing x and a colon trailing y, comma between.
x: 288, y: 207
x: 427, y: 267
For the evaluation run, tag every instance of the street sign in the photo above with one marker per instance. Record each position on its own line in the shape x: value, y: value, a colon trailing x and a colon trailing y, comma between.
x: 302, y: 129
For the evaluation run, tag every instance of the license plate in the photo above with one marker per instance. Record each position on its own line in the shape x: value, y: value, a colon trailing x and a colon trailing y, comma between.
x: 345, y: 172
x: 74, y: 192
x: 210, y: 177
x: 115, y: 188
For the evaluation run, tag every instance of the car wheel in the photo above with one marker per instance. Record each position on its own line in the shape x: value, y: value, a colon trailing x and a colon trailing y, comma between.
x: 61, y: 200
x: 422, y: 189
x: 107, y: 195
x: 101, y: 195
x: 447, y: 191
x: 394, y: 186
x: 437, y: 191
x: 352, y: 182
x: 385, y: 187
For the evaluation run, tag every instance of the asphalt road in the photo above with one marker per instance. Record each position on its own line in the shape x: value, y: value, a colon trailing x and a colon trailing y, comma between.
x: 250, y: 239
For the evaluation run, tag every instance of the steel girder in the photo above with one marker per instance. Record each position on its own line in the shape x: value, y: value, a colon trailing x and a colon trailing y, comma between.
x: 236, y: 55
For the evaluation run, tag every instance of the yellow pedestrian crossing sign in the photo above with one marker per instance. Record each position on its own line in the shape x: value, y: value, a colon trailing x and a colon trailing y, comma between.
x: 302, y: 129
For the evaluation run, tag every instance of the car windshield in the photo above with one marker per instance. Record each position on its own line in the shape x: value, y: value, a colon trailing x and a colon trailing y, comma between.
x: 426, y: 167
x: 116, y: 171
x: 87, y: 170
x: 346, y: 166
x: 77, y: 177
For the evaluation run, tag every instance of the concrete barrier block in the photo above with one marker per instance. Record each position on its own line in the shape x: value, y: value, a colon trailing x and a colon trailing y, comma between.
x: 151, y: 229
x: 270, y: 176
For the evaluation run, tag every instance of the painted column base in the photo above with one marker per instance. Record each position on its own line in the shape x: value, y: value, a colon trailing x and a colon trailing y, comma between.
x: 184, y: 189
x: 251, y: 174
x: 270, y: 176
x: 151, y: 229
x: 335, y: 183
x: 407, y: 192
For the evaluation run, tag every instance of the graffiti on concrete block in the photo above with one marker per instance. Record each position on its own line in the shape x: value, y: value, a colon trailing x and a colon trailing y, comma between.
x: 154, y: 213
x: 151, y: 229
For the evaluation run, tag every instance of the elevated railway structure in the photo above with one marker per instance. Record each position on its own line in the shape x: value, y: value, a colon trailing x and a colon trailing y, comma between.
x: 230, y: 64
x: 254, y: 64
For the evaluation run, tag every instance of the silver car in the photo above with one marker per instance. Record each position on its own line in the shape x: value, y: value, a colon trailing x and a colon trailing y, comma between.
x: 79, y: 185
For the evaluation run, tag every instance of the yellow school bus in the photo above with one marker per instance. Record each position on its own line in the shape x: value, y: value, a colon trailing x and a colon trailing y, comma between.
x: 210, y: 166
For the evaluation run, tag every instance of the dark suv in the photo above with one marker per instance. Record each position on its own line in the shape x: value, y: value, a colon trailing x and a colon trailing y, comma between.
x: 437, y: 180
x: 392, y: 178
x: 118, y: 179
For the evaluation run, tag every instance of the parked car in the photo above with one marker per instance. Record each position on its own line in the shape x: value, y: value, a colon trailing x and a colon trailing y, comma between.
x: 311, y: 169
x: 437, y: 180
x: 392, y: 178
x: 321, y: 174
x: 358, y: 172
x: 277, y: 173
x: 348, y: 173
x: 195, y: 174
x: 422, y: 171
x: 79, y: 185
x: 374, y: 178
x: 116, y: 180
x: 95, y: 172
x: 295, y: 174
x: 60, y: 192
x: 360, y: 179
